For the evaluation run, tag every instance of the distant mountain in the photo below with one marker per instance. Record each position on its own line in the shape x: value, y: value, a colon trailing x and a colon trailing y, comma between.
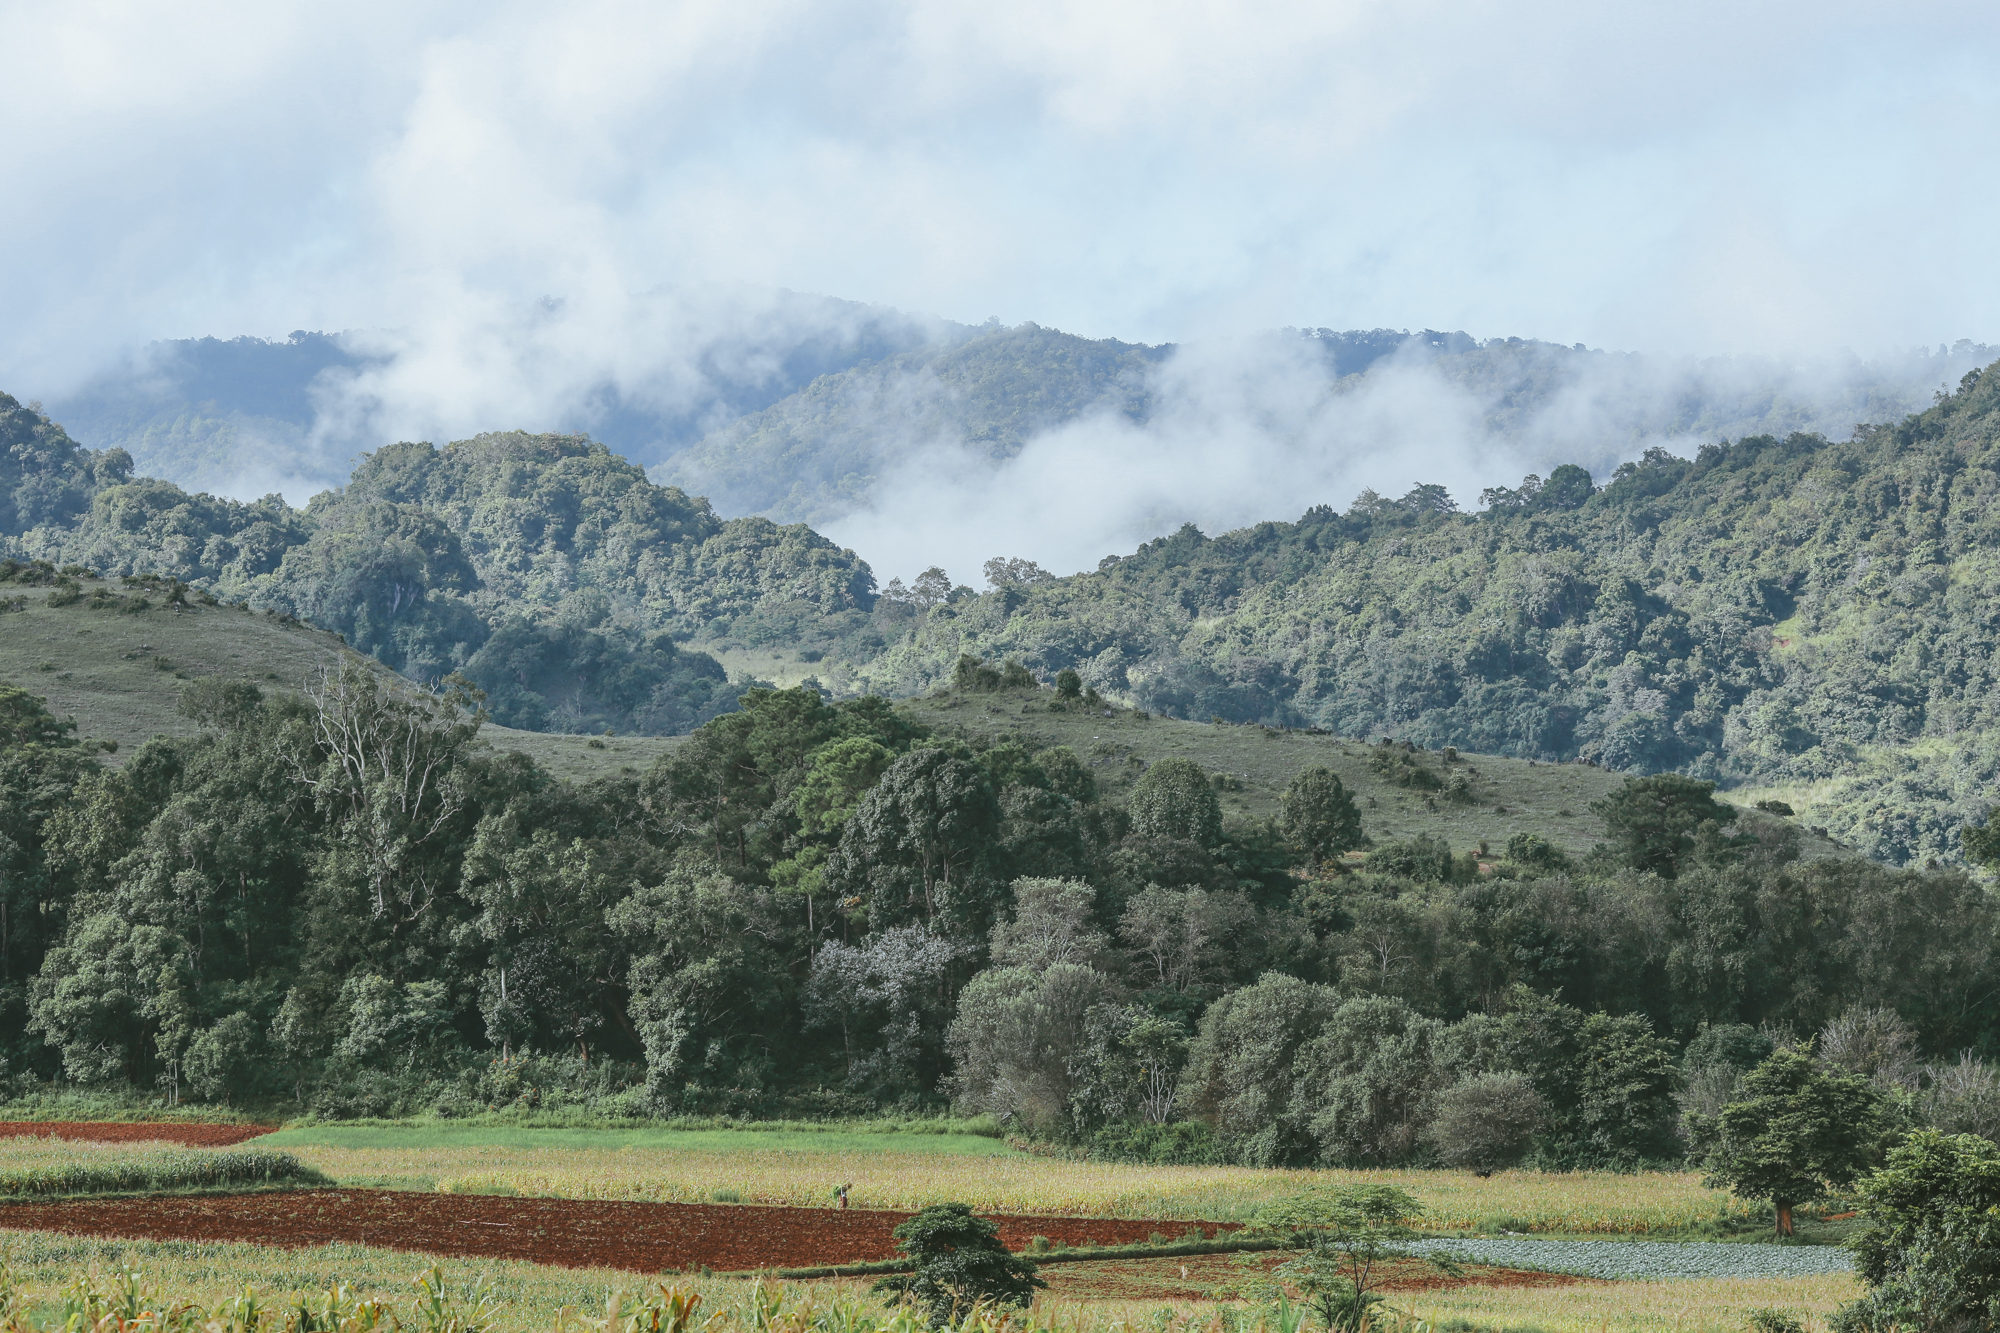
x: 242, y: 414
x: 814, y: 455
x: 822, y: 453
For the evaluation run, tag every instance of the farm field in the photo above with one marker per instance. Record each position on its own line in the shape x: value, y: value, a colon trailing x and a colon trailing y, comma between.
x: 544, y: 1254
x: 910, y: 1171
x: 187, y: 1133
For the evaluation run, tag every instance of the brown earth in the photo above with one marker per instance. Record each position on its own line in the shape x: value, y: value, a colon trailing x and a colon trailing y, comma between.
x: 643, y: 1237
x: 187, y: 1134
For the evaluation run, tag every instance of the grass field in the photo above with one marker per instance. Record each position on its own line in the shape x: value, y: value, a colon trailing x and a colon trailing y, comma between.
x: 1514, y: 795
x: 535, y: 1297
x: 910, y: 1171
x: 120, y: 675
x: 905, y: 1169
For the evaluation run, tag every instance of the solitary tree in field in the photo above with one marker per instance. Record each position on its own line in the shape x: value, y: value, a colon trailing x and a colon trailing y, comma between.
x: 960, y: 1263
x: 1342, y: 1237
x: 1319, y: 818
x: 1800, y: 1131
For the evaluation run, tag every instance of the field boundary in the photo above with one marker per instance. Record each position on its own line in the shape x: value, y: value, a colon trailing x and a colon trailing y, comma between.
x: 1065, y: 1255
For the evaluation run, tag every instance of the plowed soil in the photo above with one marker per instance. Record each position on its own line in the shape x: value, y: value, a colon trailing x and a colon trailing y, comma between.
x: 114, y: 1131
x: 643, y: 1237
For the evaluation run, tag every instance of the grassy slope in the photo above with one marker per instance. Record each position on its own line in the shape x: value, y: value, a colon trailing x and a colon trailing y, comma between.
x: 121, y: 675
x: 1552, y: 800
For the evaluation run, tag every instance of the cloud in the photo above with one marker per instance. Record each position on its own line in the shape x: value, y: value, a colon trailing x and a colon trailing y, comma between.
x: 1245, y: 430
x: 549, y: 213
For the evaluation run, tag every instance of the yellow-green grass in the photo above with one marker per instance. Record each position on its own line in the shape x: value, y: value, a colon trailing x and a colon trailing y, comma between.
x: 883, y: 1177
x: 538, y: 1297
x: 1635, y: 1306
x: 532, y: 1296
x: 1551, y: 800
x: 472, y: 1141
x: 120, y: 676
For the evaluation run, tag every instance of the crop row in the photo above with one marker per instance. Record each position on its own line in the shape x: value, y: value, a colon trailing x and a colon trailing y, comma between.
x: 1647, y: 1259
x: 156, y: 1171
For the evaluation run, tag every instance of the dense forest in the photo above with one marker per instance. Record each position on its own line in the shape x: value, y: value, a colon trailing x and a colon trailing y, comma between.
x: 1798, y: 617
x: 333, y: 898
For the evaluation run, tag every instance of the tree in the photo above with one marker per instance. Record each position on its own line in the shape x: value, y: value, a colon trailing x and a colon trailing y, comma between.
x: 1319, y: 818
x: 384, y: 770
x: 1051, y: 925
x: 1179, y: 937
x: 1930, y: 1241
x: 960, y: 1264
x: 1175, y: 800
x: 1069, y: 685
x: 1801, y: 1131
x: 1487, y: 1123
x: 1653, y: 820
x: 915, y: 843
x: 1241, y: 1074
x: 1341, y: 1237
x: 1021, y: 1039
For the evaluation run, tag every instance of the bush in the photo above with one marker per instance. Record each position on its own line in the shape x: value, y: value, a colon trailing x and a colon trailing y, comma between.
x: 1183, y: 1143
x: 960, y: 1263
x: 1963, y: 1098
x: 1487, y: 1123
x: 1930, y: 1251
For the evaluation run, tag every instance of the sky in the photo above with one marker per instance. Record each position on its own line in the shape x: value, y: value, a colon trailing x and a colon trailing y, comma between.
x: 1696, y: 178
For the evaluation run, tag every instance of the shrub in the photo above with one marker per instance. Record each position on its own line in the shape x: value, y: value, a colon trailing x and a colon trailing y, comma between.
x: 1183, y: 1143
x: 1930, y: 1249
x: 1963, y: 1098
x: 1487, y: 1123
x: 960, y: 1263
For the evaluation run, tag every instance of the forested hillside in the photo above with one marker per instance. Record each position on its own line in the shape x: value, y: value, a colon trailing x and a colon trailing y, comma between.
x: 816, y: 454
x: 1797, y: 617
x: 1808, y: 616
x: 548, y: 571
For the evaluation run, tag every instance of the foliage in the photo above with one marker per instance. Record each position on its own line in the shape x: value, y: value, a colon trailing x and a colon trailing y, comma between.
x: 1320, y: 819
x: 960, y: 1264
x: 1341, y: 1237
x: 1653, y: 820
x: 1175, y: 800
x: 1930, y: 1245
x: 1487, y: 1123
x: 1800, y: 1131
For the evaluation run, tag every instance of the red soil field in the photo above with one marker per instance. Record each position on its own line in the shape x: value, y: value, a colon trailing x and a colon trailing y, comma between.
x: 642, y: 1237
x: 188, y: 1135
